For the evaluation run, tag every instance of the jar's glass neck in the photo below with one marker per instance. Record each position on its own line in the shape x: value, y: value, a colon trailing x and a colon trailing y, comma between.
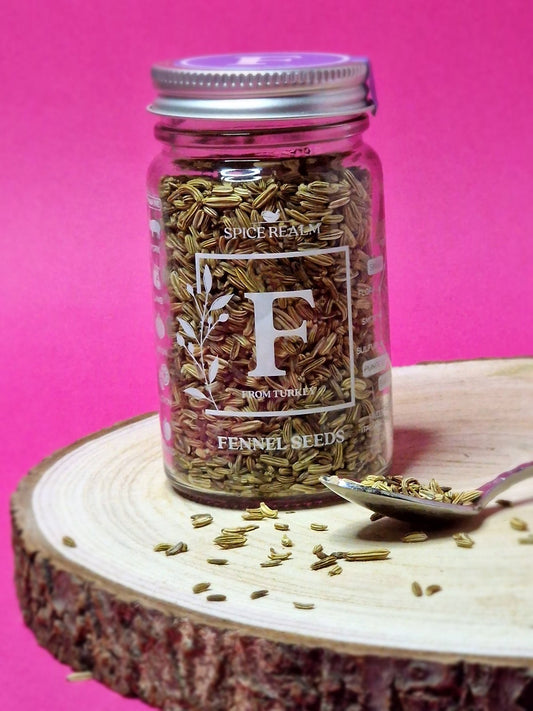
x: 225, y: 135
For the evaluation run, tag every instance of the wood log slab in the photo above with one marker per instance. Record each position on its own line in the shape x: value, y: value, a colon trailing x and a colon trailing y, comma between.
x: 115, y: 607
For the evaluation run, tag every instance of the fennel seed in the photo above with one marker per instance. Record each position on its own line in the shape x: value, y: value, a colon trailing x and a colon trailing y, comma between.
x: 376, y: 554
x: 415, y: 537
x: 281, y: 526
x: 256, y: 594
x: 162, y: 547
x: 432, y: 589
x: 286, y: 541
x: 463, y: 540
x: 200, y: 587
x: 336, y: 570
x: 79, y: 676
x: 180, y: 547
x: 201, y: 520
x: 416, y: 589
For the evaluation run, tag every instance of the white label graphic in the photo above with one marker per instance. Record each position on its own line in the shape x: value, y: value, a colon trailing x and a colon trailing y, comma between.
x: 266, y: 334
x: 384, y: 381
x: 375, y: 265
x: 271, y: 227
x: 375, y: 365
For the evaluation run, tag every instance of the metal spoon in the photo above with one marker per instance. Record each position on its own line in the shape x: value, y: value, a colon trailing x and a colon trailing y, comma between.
x: 411, y: 508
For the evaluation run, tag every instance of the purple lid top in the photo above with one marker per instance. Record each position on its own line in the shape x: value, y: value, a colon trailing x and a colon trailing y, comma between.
x: 274, y: 85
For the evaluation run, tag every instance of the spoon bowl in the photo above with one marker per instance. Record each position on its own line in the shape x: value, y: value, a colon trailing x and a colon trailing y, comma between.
x: 414, y: 509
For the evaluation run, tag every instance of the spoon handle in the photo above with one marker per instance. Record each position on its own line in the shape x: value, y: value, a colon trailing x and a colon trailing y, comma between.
x: 504, y: 481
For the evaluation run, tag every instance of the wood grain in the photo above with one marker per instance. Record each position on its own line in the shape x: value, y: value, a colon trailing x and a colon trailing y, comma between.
x: 114, y: 606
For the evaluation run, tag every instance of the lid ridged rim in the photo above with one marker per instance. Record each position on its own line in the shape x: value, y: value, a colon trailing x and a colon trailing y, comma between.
x: 341, y: 88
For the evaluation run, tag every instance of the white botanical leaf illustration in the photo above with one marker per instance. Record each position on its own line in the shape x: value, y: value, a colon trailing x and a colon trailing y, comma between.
x: 220, y: 302
x: 213, y: 370
x: 194, y: 392
x: 269, y: 216
x: 194, y: 342
x: 208, y: 279
x: 186, y: 327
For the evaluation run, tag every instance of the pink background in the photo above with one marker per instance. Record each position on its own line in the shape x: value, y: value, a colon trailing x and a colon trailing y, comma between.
x: 454, y: 133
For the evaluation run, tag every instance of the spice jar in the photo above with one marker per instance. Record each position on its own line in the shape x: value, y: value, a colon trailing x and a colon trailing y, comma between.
x: 268, y: 247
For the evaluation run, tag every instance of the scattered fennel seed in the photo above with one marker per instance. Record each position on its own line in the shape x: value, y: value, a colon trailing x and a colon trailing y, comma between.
x: 416, y: 589
x: 79, y: 676
x: 258, y: 593
x: 463, y: 540
x: 336, y: 570
x: 518, y: 524
x: 162, y: 547
x: 281, y: 526
x: 200, y: 587
x: 180, y: 547
x: 415, y: 537
x: 377, y: 554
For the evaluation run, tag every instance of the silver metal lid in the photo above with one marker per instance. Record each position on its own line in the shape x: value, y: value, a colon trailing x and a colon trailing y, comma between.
x: 264, y: 86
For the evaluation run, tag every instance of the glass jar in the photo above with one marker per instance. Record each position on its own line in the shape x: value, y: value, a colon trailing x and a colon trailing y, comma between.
x: 268, y: 247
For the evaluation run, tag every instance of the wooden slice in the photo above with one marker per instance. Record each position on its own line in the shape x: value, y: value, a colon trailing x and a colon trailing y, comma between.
x: 362, y: 640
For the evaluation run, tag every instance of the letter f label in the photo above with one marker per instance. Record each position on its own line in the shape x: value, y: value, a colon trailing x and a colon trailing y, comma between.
x: 266, y: 334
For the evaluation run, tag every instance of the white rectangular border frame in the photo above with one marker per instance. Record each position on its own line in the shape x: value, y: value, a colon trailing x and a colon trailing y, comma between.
x: 288, y: 255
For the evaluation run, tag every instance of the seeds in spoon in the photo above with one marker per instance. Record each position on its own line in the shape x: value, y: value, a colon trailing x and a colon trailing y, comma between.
x: 409, y: 486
